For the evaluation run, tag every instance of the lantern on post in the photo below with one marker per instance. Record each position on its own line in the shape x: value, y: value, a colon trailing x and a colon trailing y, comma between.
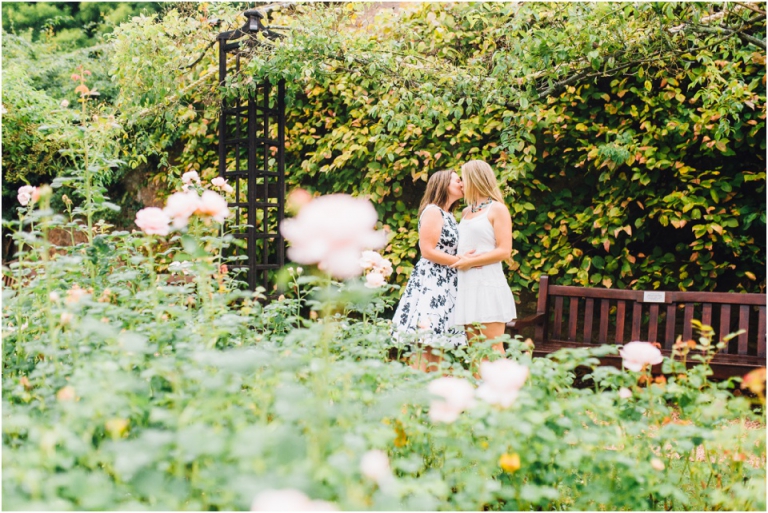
x: 252, y: 156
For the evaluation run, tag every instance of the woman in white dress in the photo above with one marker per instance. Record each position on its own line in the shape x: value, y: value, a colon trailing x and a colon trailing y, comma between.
x: 485, y: 229
x: 426, y: 307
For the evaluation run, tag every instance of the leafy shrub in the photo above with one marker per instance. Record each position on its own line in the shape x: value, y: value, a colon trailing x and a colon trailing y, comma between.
x: 126, y: 387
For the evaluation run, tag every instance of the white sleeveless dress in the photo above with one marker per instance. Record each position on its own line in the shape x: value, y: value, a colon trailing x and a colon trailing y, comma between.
x: 483, y: 293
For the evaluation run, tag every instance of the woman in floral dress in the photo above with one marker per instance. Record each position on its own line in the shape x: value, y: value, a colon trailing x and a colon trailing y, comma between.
x: 425, y: 312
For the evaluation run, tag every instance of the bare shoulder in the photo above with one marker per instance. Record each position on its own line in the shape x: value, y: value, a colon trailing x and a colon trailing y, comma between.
x: 431, y: 216
x: 498, y: 209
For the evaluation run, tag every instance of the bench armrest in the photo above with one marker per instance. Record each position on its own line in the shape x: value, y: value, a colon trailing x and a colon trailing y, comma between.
x: 519, y: 324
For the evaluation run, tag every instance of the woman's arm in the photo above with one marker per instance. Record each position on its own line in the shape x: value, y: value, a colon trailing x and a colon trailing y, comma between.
x: 502, y: 229
x: 429, y: 236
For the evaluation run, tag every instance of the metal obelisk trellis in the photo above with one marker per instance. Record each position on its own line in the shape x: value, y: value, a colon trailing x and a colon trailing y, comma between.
x: 252, y: 158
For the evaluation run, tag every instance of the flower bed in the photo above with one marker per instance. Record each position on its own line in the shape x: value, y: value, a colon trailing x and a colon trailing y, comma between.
x: 124, y: 388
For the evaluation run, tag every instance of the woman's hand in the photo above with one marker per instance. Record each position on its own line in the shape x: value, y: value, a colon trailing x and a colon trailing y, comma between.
x: 465, y: 261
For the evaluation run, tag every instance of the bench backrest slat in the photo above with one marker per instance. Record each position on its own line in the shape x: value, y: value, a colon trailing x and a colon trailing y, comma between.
x: 725, y: 321
x: 687, y: 318
x: 542, y: 305
x: 669, y: 334
x: 653, y: 323
x: 605, y: 306
x: 743, y: 325
x: 761, y: 332
x: 637, y: 318
x: 589, y: 314
x: 558, y: 324
x: 572, y: 316
x: 621, y: 308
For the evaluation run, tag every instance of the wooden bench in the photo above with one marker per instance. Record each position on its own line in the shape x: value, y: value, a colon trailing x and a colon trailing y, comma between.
x: 568, y: 316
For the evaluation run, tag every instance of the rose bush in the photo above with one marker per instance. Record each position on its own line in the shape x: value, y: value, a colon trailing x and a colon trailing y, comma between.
x: 125, y: 386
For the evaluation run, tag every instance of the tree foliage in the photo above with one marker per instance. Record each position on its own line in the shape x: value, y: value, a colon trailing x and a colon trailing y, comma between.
x: 629, y: 138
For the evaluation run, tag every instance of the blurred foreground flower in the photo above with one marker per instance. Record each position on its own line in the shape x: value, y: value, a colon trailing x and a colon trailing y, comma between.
x: 754, y: 381
x: 25, y: 194
x: 297, y: 198
x: 66, y: 393
x: 180, y: 207
x: 502, y: 381
x: 211, y: 204
x: 153, y: 221
x: 288, y: 500
x: 625, y: 393
x: 636, y: 355
x: 509, y: 462
x: 75, y: 294
x: 331, y: 232
x: 458, y: 394
x: 375, y: 466
x: 182, y: 267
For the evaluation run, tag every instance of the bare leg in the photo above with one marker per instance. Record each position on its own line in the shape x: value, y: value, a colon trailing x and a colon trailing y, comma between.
x: 493, y: 330
x: 425, y: 361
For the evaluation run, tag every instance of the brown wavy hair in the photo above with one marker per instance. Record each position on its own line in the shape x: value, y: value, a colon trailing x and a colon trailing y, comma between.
x: 437, y: 191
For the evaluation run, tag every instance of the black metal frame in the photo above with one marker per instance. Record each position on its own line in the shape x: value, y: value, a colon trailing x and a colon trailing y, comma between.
x: 247, y: 135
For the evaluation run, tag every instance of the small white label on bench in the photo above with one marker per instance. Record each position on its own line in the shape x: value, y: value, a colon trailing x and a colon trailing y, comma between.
x: 653, y: 297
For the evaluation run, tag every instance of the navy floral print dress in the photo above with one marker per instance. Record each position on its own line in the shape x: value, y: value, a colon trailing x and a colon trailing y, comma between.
x: 425, y: 312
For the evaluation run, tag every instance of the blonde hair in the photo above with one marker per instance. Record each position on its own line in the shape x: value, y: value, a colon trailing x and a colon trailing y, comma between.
x: 437, y: 191
x: 479, y: 182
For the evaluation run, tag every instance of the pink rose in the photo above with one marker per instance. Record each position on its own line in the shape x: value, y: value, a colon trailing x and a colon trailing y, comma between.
x: 189, y: 177
x: 75, y: 294
x: 211, y: 204
x: 502, y: 380
x: 458, y: 394
x: 221, y: 183
x: 625, y: 393
x: 374, y: 280
x: 332, y: 231
x: 25, y: 194
x: 385, y: 267
x: 181, y: 206
x: 297, y: 198
x: 153, y: 220
x: 370, y: 260
x: 636, y: 355
x: 375, y: 466
x: 379, y: 264
x: 288, y: 500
